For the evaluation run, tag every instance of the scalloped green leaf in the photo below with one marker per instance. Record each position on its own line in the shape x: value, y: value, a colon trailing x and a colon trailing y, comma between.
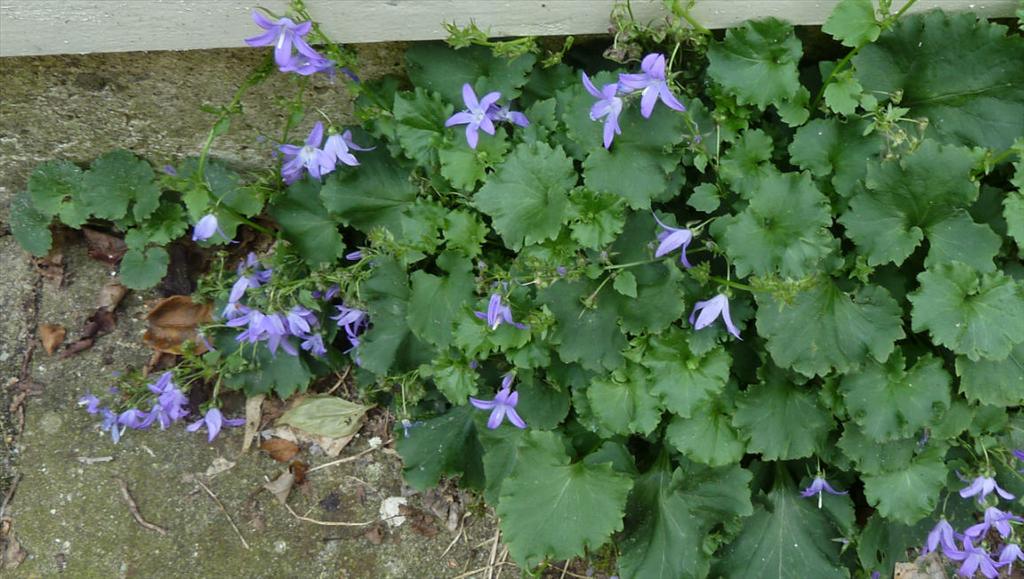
x: 909, y: 494
x: 589, y: 336
x: 853, y: 23
x: 708, y: 437
x: 757, y: 62
x: 977, y: 315
x: 826, y: 329
x: 682, y: 379
x: 143, y: 269
x: 623, y: 402
x: 961, y: 72
x: 436, y: 302
x: 746, y: 163
x: 419, y: 125
x: 838, y: 148
x: 117, y: 179
x: 444, y: 445
x: 55, y: 186
x: 30, y: 227
x: 996, y: 383
x: 582, y: 504
x: 374, y: 194
x: 306, y: 224
x: 437, y: 67
x: 766, y: 413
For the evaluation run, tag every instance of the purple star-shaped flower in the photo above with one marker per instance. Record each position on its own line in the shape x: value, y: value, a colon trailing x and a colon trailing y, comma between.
x: 338, y: 147
x: 1011, y: 553
x: 307, y: 64
x: 672, y: 238
x: 974, y: 558
x: 504, y: 404
x: 475, y: 116
x: 249, y: 276
x: 942, y: 534
x: 497, y: 313
x: 817, y: 486
x: 709, y: 312
x: 993, y: 518
x: 213, y: 420
x: 354, y: 256
x: 653, y: 83
x: 608, y: 106
x: 133, y: 418
x: 500, y: 113
x: 314, y: 344
x: 299, y: 320
x: 309, y: 157
x: 110, y: 423
x: 984, y: 486
x: 283, y: 35
x: 206, y: 227
x: 91, y: 403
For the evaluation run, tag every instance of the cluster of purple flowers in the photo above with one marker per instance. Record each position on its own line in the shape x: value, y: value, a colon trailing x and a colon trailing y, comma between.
x: 972, y: 557
x: 291, y: 51
x: 481, y: 114
x: 651, y: 83
x: 276, y: 329
x: 503, y: 406
x: 353, y: 322
x: 318, y: 157
x: 169, y: 405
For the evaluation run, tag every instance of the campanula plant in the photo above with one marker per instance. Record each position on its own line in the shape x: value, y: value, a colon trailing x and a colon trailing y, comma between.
x: 653, y: 302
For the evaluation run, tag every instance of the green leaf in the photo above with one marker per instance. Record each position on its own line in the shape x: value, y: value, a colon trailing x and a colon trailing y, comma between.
x: 625, y: 284
x: 873, y: 457
x: 583, y: 504
x: 55, y: 186
x: 684, y: 380
x: 783, y: 230
x: 445, y: 445
x: 465, y: 167
x: 373, y: 194
x: 589, y: 336
x: 757, y: 62
x: 994, y: 383
x: 959, y: 71
x: 117, y: 179
x: 825, y: 328
x: 884, y: 543
x: 708, y: 437
x: 842, y: 95
x: 623, y: 402
x: 907, y: 198
x: 787, y: 537
x: 837, y: 148
x: 306, y: 225
x: 30, y: 227
x: 959, y: 238
x: 909, y: 494
x: 766, y: 413
x: 597, y: 218
x: 528, y: 196
x: 1013, y: 212
x: 501, y: 448
x: 853, y: 23
x: 455, y: 379
x: 541, y: 405
x: 439, y: 68
x: 281, y: 375
x: 165, y: 225
x: 979, y: 316
x: 889, y: 402
x: 326, y: 416
x: 144, y: 269
x: 668, y: 518
x: 705, y: 198
x: 464, y: 232
x: 419, y: 124
x: 438, y: 301
x: 748, y: 162
x: 389, y: 343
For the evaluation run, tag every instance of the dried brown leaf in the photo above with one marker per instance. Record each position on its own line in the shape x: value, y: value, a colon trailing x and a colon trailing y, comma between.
x: 52, y: 336
x: 111, y: 295
x: 298, y: 469
x: 253, y: 416
x: 173, y: 321
x: 280, y: 449
x: 104, y: 246
x: 281, y: 487
x: 100, y: 323
x: 76, y: 347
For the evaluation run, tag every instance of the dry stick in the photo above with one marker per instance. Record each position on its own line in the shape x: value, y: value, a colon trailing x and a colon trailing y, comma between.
x: 501, y: 561
x: 10, y: 494
x: 134, y: 508
x: 480, y: 570
x: 458, y: 533
x: 494, y: 554
x: 348, y: 458
x: 225, y: 511
x: 326, y: 523
x: 341, y: 379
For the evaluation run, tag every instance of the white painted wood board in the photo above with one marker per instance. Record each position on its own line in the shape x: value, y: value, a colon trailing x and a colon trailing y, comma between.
x: 34, y: 27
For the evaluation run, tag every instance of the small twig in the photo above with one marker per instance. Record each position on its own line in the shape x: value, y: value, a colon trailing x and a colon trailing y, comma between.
x: 94, y: 459
x: 494, y: 554
x: 9, y: 494
x: 223, y: 510
x: 501, y: 561
x: 326, y: 523
x: 134, y: 508
x: 565, y: 569
x: 480, y: 570
x: 348, y: 458
x: 458, y: 533
x: 341, y: 380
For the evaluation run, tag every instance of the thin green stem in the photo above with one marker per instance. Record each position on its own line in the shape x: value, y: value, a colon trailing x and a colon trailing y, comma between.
x: 732, y: 284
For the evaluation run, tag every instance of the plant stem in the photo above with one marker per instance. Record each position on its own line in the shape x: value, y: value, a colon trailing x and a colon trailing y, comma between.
x: 732, y: 284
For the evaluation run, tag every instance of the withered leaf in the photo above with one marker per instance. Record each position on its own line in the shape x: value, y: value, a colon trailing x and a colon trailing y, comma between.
x: 51, y: 335
x: 173, y: 321
x: 281, y: 487
x: 111, y: 295
x: 76, y: 347
x: 100, y: 323
x: 280, y: 449
x: 298, y: 469
x: 104, y: 246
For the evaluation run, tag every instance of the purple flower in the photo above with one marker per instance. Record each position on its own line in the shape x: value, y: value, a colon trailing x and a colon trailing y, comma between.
x: 653, y: 84
x: 816, y: 487
x: 233, y: 309
x: 307, y: 64
x: 475, y: 116
x: 974, y: 558
x: 504, y: 404
x: 331, y: 293
x: 283, y: 35
x: 110, y: 423
x: 132, y: 418
x: 673, y: 238
x: 497, y: 313
x: 608, y: 105
x: 299, y: 320
x: 354, y: 256
x: 337, y: 148
x: 309, y: 157
x: 314, y: 344
x: 501, y: 113
x: 709, y: 312
x: 942, y: 534
x: 170, y: 170
x: 993, y: 518
x: 1011, y: 552
x: 984, y: 486
x: 91, y: 403
x: 206, y: 227
x: 347, y: 316
x: 214, y: 420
